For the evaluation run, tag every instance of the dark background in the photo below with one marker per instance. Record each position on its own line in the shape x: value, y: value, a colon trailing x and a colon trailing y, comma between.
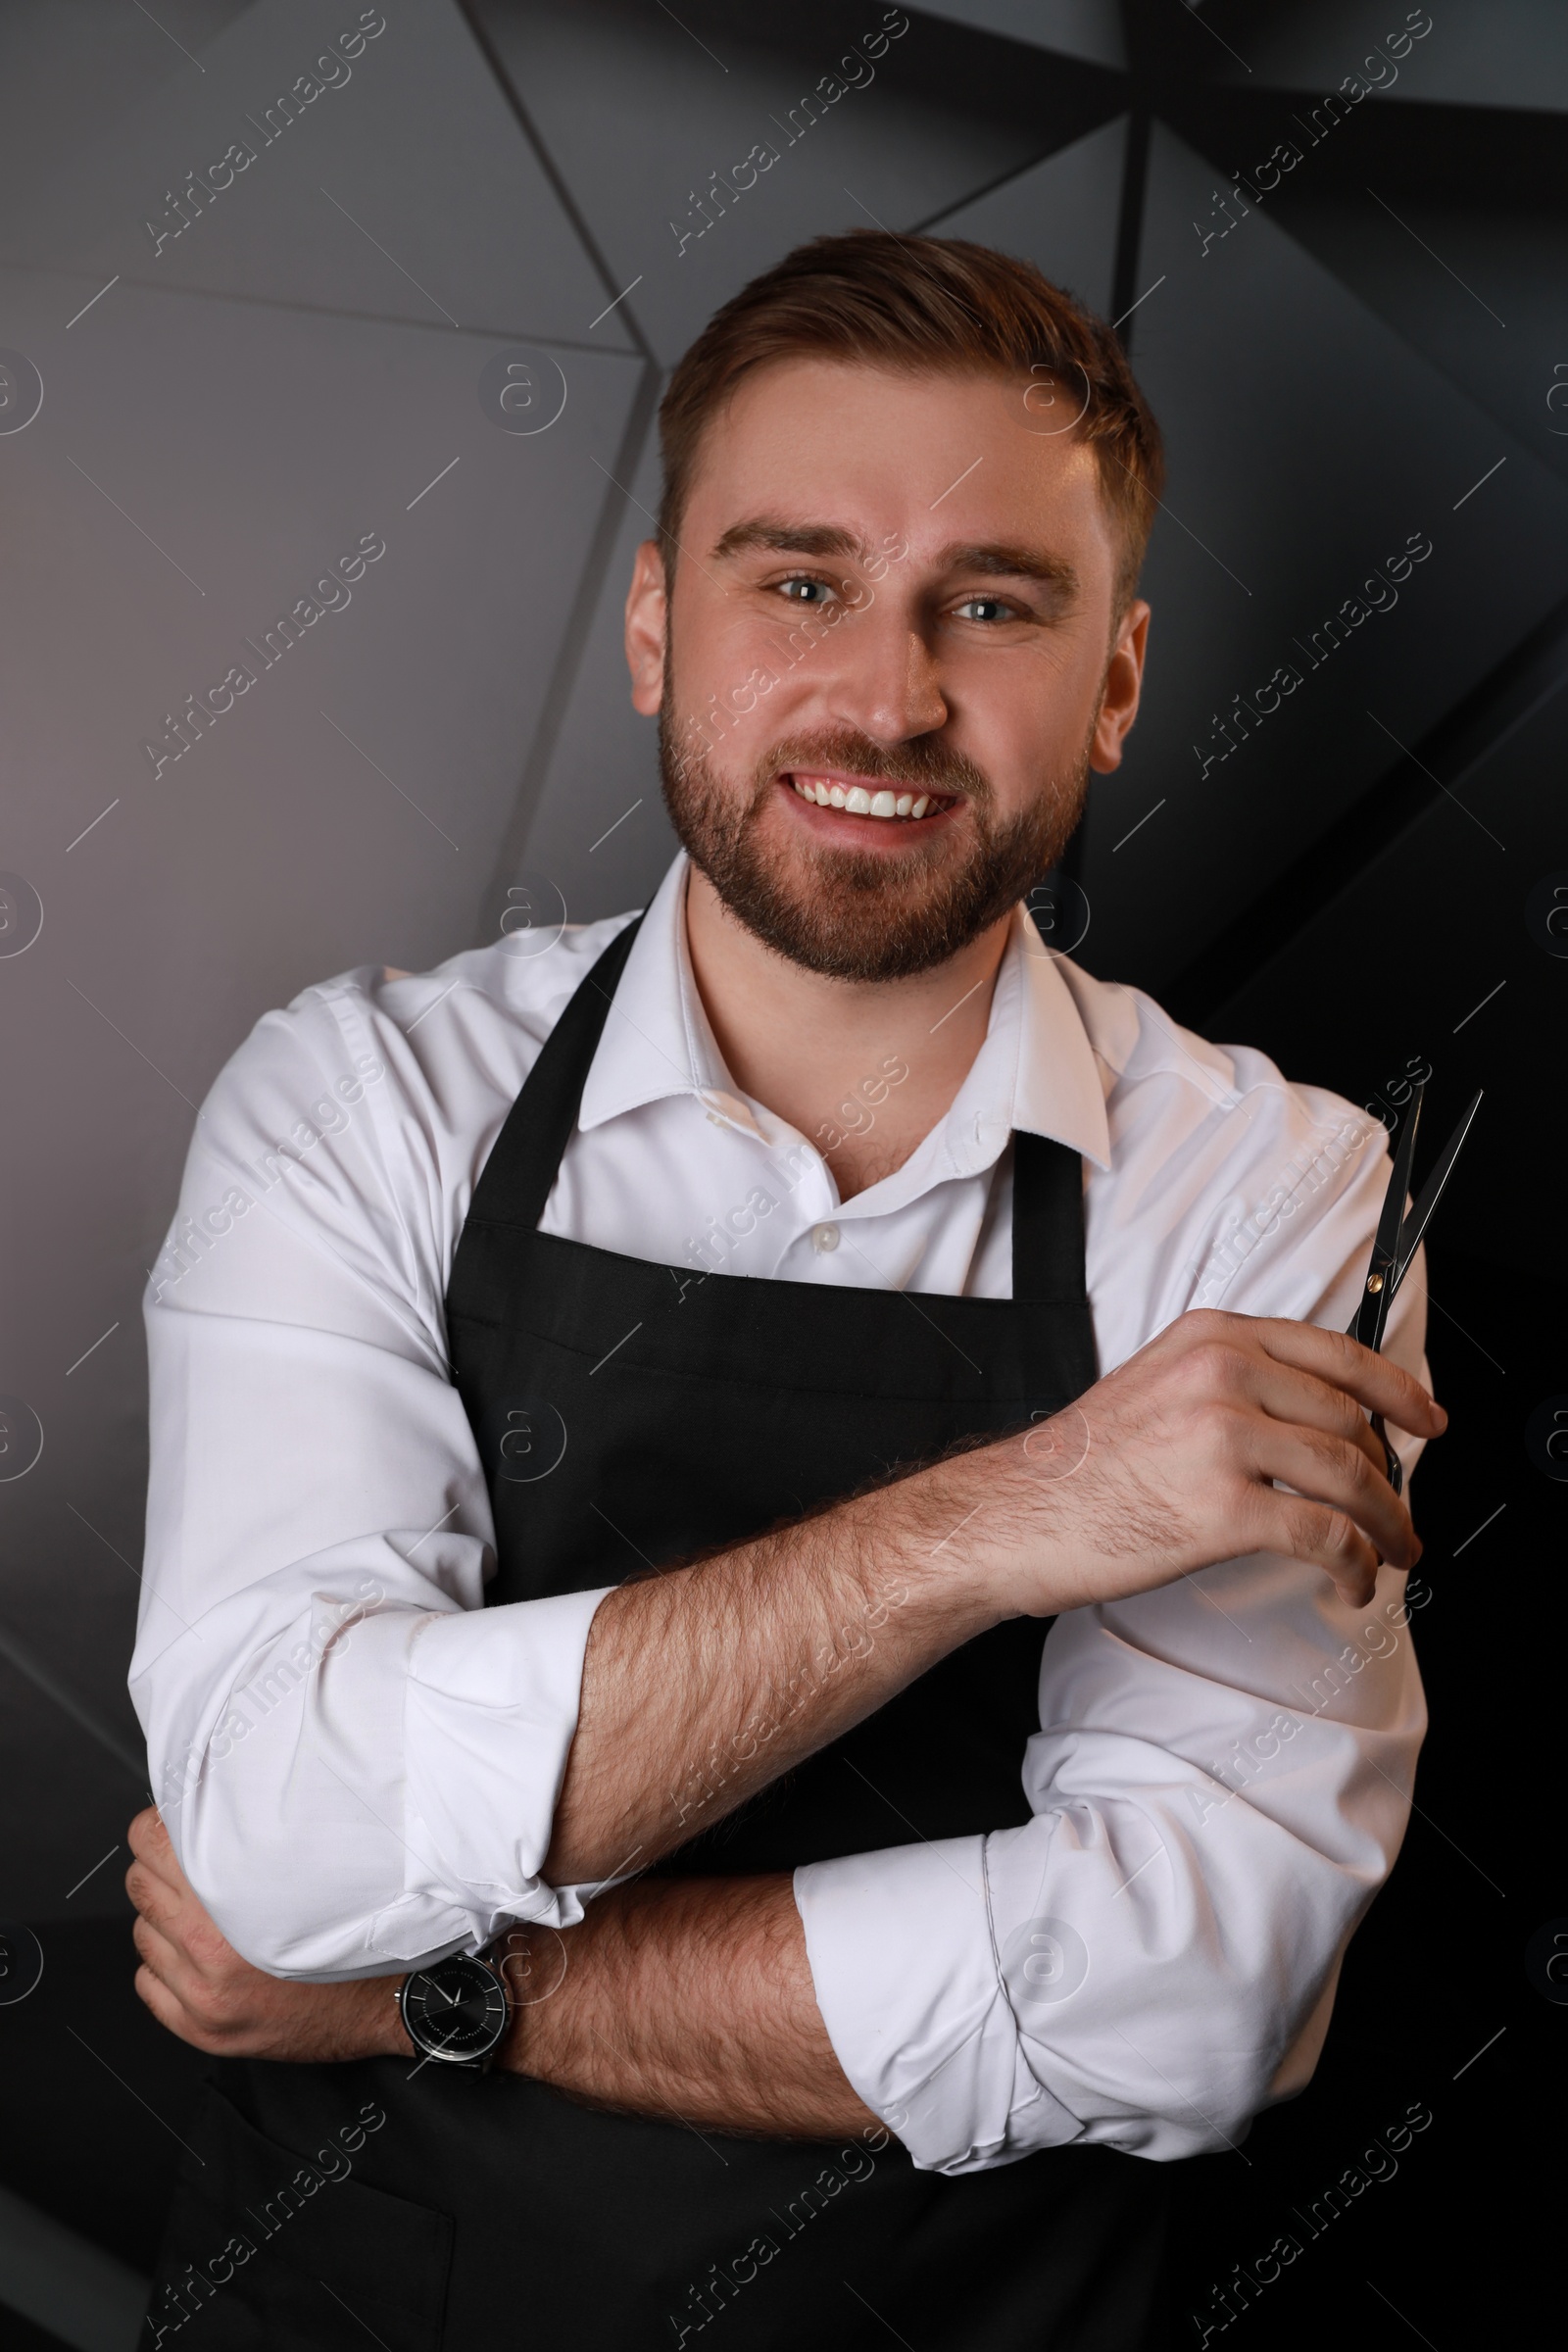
x: 1377, y: 349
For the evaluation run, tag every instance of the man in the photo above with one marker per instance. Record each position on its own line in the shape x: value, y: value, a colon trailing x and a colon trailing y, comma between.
x: 786, y: 1301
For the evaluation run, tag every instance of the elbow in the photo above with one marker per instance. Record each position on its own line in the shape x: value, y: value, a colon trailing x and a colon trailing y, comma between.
x: 1248, y: 2045
x: 294, y: 1881
x: 266, y: 1907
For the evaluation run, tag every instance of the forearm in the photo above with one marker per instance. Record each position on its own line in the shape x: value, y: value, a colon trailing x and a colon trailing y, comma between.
x: 705, y: 1684
x: 1225, y: 1436
x: 685, y: 1998
x: 689, y: 1998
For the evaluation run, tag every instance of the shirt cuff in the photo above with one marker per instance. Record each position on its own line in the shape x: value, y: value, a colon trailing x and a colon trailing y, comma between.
x: 905, y: 1973
x: 490, y: 1700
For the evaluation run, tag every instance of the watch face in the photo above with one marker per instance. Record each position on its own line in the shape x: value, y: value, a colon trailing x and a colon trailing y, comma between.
x: 457, y: 2009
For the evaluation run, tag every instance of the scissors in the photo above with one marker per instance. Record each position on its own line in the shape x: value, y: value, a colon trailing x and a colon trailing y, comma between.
x: 1398, y: 1238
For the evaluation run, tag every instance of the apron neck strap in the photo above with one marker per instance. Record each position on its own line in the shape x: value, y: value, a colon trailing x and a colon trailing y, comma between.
x: 1048, y: 1220
x: 516, y: 1178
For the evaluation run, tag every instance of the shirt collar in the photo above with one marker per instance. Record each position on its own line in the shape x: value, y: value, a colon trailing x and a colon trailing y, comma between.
x: 657, y: 1040
x: 1060, y: 1091
x: 1035, y: 1071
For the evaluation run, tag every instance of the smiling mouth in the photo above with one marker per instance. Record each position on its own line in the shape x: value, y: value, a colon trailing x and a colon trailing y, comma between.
x: 870, y: 800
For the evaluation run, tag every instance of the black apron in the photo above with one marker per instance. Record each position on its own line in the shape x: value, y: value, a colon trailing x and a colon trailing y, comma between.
x: 631, y: 1413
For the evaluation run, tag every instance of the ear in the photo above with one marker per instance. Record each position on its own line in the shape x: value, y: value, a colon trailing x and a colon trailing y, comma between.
x: 646, y: 628
x: 1124, y: 680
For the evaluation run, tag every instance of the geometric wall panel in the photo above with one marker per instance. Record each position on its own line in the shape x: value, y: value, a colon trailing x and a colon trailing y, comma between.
x: 1476, y: 56
x: 599, y: 833
x: 1061, y: 213
x: 246, y: 449
x: 1469, y: 264
x: 355, y: 199
x: 1476, y: 987
x: 1307, y: 445
x: 692, y: 179
x: 1090, y: 29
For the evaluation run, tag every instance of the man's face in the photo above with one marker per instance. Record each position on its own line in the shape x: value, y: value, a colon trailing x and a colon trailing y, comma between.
x: 887, y: 657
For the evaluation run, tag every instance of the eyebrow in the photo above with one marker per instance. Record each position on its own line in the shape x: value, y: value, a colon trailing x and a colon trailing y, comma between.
x: 995, y: 558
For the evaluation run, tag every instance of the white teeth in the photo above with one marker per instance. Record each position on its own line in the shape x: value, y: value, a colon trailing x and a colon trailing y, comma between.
x: 856, y: 801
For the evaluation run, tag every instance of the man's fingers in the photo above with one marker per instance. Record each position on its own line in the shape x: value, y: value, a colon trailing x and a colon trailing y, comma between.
x: 179, y: 1919
x: 211, y: 2008
x: 1301, y: 1398
x: 149, y: 1840
x: 144, y: 1826
x: 173, y: 2015
x: 1383, y: 1387
x: 156, y: 1900
x: 1304, y: 1530
x: 1336, y: 1473
x: 156, y: 1996
x: 148, y: 1837
x: 163, y: 1958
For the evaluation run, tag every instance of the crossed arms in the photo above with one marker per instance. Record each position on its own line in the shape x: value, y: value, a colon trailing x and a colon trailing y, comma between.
x: 1227, y: 1437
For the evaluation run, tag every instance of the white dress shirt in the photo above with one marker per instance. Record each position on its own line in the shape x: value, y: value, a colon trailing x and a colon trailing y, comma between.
x: 359, y: 1762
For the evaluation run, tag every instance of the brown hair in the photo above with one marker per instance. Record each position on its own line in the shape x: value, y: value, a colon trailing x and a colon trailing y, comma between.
x: 922, y: 305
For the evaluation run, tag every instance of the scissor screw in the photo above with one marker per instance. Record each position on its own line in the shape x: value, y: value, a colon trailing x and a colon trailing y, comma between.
x: 1374, y: 1282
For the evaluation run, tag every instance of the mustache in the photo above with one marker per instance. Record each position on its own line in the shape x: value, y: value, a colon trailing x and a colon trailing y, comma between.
x: 923, y: 765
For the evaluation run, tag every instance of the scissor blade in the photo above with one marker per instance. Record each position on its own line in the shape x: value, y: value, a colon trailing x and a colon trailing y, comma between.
x: 1386, y: 1248
x: 1372, y: 1313
x: 1420, y: 1217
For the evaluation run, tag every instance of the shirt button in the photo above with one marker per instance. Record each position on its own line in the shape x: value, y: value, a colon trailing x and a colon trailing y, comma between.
x: 824, y: 1236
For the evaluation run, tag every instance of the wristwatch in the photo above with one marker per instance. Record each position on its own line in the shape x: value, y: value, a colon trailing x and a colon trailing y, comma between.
x: 455, y: 2010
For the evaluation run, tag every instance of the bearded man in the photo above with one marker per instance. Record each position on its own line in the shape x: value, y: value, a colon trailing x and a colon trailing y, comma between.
x: 625, y: 1837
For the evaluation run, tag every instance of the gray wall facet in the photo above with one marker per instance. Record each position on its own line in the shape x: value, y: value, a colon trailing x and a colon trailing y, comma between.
x: 642, y: 140
x: 358, y: 201
x: 1062, y: 215
x: 600, y: 836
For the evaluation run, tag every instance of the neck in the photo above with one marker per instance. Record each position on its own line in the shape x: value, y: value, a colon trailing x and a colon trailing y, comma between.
x: 827, y: 1055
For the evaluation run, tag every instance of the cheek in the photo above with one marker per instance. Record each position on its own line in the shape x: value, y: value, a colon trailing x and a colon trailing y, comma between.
x: 1028, y: 723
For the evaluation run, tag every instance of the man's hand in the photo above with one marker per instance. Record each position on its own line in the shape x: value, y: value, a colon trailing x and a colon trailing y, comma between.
x: 1169, y: 1464
x: 196, y: 1984
x: 704, y: 1683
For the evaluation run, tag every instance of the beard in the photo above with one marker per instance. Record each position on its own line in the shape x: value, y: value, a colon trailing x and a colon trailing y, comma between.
x: 865, y: 917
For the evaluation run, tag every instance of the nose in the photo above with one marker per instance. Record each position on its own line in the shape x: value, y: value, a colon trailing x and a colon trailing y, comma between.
x: 884, y: 681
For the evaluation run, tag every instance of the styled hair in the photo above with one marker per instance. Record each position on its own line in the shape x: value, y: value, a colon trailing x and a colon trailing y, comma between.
x: 924, y: 306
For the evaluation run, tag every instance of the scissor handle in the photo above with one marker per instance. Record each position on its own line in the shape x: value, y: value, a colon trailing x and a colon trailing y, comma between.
x: 1394, y: 1468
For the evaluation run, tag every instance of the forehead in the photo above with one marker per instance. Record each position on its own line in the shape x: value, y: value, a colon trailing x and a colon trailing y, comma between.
x: 937, y: 458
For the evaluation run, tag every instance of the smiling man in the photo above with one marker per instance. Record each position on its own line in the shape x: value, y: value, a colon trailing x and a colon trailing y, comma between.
x: 606, y: 1507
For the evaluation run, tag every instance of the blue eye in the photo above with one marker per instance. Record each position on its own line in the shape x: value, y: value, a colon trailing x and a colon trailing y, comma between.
x: 801, y: 581
x: 994, y: 604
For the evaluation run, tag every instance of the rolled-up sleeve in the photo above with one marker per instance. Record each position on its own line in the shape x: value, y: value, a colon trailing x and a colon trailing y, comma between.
x: 1218, y: 1787
x: 357, y: 1762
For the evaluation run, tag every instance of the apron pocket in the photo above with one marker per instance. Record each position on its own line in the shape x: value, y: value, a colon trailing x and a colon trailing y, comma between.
x: 265, y: 2247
